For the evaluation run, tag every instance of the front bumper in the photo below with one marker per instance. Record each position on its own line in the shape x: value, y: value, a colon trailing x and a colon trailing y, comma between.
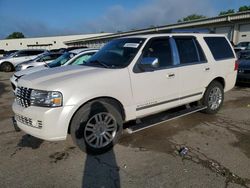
x: 243, y: 78
x: 45, y: 123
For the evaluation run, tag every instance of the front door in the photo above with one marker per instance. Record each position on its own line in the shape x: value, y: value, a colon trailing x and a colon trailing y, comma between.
x: 156, y: 89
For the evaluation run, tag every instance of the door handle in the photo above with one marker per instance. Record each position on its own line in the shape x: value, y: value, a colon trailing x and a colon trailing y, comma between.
x: 170, y: 75
x: 207, y: 69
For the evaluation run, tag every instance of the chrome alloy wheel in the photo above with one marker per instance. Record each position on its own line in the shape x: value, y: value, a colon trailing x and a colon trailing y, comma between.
x: 214, y: 98
x: 100, y: 130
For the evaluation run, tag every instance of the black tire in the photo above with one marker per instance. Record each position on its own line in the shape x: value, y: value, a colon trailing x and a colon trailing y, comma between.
x: 7, y: 67
x: 206, y: 100
x: 85, y: 115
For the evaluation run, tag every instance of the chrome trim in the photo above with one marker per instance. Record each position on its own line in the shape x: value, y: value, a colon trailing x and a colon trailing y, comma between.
x: 168, y: 101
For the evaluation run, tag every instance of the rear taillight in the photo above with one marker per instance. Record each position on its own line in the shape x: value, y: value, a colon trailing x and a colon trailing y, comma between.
x: 236, y: 65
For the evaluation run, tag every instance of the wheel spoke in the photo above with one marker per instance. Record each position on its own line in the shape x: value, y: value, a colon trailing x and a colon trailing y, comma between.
x: 89, y: 129
x: 107, y: 119
x: 91, y: 137
x: 100, y: 141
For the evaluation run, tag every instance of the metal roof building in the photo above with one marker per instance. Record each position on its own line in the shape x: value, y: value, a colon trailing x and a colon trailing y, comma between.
x: 42, y: 42
x: 235, y: 26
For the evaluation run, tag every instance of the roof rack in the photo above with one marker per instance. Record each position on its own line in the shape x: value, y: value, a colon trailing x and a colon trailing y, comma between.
x: 205, y: 31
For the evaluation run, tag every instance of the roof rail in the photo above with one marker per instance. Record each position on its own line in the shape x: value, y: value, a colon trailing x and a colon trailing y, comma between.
x: 205, y: 31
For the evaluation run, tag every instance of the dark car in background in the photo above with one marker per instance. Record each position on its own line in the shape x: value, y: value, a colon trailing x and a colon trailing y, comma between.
x: 242, y: 46
x: 244, y: 67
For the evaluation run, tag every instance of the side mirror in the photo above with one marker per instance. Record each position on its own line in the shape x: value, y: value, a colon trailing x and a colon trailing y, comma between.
x: 149, y: 63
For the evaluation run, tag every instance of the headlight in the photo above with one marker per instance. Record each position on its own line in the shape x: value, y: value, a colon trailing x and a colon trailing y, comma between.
x: 18, y: 68
x: 46, y: 98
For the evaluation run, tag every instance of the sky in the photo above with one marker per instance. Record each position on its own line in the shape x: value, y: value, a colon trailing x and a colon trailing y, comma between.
x: 35, y: 18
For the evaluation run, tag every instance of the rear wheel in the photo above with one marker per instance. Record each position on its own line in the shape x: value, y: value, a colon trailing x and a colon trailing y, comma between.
x: 213, y: 97
x: 7, y: 67
x: 96, y: 127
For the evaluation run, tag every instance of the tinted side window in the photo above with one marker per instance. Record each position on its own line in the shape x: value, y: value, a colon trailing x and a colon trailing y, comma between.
x: 35, y: 52
x: 160, y: 48
x: 187, y: 50
x: 219, y: 47
x: 21, y: 54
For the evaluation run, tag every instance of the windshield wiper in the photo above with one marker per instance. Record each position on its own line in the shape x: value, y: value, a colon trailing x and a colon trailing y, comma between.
x: 98, y: 62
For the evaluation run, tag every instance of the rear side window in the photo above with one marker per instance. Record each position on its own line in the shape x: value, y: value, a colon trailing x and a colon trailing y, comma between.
x: 219, y: 47
x: 189, y: 50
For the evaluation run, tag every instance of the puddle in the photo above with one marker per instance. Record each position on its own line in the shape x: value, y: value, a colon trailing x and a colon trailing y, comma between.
x: 30, y: 142
x: 60, y: 155
x: 241, y: 102
x: 243, y: 142
x: 158, y: 138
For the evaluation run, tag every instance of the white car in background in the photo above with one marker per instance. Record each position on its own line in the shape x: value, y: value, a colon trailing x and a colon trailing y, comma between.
x: 8, y: 63
x: 74, y: 57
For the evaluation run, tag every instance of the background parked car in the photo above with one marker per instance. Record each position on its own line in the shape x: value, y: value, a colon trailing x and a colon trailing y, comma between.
x: 42, y: 59
x: 244, y: 67
x: 68, y: 58
x: 8, y: 63
x: 7, y: 53
x: 241, y: 46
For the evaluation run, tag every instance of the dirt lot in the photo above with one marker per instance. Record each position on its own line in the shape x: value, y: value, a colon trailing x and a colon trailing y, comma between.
x: 219, y: 152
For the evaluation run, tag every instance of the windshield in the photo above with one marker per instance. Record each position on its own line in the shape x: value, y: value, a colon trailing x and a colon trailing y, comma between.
x: 117, y: 53
x: 40, y: 56
x: 61, y: 60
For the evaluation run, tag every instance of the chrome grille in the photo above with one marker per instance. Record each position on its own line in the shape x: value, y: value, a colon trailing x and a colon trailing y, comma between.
x: 23, y: 96
x: 29, y: 121
x: 24, y: 120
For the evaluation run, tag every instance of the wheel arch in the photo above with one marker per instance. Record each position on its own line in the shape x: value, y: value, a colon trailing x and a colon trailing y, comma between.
x: 221, y: 80
x: 116, y: 103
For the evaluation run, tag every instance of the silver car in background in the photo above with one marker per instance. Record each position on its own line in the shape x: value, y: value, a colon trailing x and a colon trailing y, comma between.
x: 42, y: 59
x: 74, y: 57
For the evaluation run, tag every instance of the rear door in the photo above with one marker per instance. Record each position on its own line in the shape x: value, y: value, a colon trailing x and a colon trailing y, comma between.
x: 158, y: 89
x: 194, y: 68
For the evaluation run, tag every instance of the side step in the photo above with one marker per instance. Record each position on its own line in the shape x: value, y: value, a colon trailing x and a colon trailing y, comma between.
x: 151, y: 121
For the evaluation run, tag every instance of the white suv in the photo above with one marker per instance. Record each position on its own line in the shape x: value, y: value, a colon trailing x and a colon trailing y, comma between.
x: 129, y: 78
x: 8, y: 63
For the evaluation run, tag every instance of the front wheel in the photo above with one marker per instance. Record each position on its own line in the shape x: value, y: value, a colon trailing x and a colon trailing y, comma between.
x: 213, y: 97
x: 96, y: 127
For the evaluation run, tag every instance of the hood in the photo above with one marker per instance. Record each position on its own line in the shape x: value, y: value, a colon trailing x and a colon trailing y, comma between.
x: 54, y: 77
x: 30, y: 70
x: 244, y: 64
x: 25, y: 62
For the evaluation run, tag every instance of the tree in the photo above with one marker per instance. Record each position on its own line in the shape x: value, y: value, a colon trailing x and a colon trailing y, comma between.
x: 244, y: 8
x: 15, y: 35
x: 191, y: 17
x: 230, y: 11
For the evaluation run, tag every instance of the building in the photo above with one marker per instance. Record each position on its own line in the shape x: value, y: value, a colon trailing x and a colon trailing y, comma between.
x: 54, y: 42
x: 235, y: 26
